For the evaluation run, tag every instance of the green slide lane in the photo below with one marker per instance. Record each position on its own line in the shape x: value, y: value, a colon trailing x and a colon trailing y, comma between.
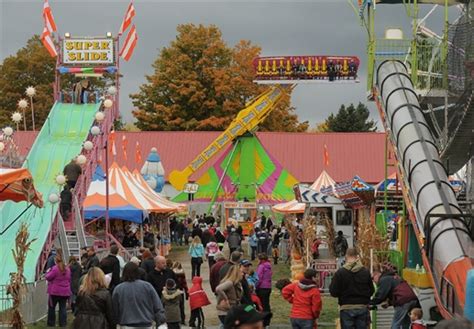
x: 58, y: 142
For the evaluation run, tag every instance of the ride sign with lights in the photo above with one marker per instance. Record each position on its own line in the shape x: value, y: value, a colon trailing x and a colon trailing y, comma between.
x: 88, y: 51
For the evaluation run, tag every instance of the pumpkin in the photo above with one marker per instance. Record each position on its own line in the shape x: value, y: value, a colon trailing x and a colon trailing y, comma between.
x: 296, y: 256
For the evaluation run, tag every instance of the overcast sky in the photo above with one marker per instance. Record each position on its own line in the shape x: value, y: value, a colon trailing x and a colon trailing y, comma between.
x: 279, y: 27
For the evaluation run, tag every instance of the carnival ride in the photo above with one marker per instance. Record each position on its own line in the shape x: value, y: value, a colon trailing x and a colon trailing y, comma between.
x: 271, y: 70
x: 59, y: 140
x: 423, y: 89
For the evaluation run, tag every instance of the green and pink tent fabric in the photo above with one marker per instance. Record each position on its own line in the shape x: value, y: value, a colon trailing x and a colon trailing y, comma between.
x: 248, y: 172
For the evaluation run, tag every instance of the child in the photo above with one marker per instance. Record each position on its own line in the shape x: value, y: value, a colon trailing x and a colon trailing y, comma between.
x: 171, y: 298
x: 252, y: 278
x: 255, y: 298
x: 197, y: 300
x: 416, y: 317
x: 182, y: 285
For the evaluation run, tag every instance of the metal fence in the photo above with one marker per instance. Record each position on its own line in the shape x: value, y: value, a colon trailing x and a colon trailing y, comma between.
x: 33, y: 307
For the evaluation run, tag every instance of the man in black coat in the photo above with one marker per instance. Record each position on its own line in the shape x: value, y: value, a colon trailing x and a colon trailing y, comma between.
x: 111, y: 264
x: 352, y: 285
x: 159, y: 275
x: 92, y: 259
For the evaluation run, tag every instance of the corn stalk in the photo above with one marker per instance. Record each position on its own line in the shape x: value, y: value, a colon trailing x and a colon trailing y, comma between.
x: 17, y: 280
x: 370, y: 238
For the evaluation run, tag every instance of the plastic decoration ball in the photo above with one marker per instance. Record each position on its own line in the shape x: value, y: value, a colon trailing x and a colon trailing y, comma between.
x: 23, y: 103
x: 95, y: 130
x: 8, y: 131
x: 53, y: 198
x: 30, y: 91
x: 2, y: 146
x: 88, y: 145
x: 81, y: 159
x: 112, y: 90
x: 153, y: 149
x: 16, y: 117
x: 108, y: 103
x: 99, y: 116
x: 60, y: 180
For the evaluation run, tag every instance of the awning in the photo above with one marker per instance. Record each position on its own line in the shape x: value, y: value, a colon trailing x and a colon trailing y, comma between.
x: 17, y: 185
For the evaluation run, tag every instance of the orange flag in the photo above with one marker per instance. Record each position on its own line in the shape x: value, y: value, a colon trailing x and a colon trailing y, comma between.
x: 124, y: 147
x: 112, y: 149
x: 326, y: 155
x: 138, y: 154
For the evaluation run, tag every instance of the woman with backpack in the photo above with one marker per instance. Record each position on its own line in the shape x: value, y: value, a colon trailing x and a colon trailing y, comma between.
x: 94, y: 303
x: 196, y: 251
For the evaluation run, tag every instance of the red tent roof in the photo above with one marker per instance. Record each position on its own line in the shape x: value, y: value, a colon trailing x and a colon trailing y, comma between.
x: 301, y: 154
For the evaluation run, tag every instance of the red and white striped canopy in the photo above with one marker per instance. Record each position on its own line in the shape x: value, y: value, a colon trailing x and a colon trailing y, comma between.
x: 136, y: 194
x: 324, y: 180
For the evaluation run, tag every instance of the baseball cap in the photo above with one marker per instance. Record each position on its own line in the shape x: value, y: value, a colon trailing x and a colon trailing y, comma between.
x: 243, y: 314
x: 245, y: 262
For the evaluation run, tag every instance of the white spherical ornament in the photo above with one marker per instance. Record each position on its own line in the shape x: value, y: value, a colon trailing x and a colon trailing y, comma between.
x: 112, y: 90
x: 108, y: 103
x: 88, y: 145
x: 16, y: 117
x: 81, y: 159
x: 2, y: 146
x: 8, y: 131
x: 53, y: 198
x: 95, y: 131
x: 30, y: 91
x: 60, y: 180
x: 23, y: 103
x: 99, y: 116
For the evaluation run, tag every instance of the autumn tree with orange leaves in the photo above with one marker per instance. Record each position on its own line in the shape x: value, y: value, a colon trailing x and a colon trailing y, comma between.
x: 200, y: 83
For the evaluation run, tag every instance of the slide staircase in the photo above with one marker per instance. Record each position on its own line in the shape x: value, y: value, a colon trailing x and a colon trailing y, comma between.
x: 59, y: 140
x: 444, y: 238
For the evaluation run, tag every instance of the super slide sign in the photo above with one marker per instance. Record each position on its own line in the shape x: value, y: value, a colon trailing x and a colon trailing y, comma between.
x: 88, y: 51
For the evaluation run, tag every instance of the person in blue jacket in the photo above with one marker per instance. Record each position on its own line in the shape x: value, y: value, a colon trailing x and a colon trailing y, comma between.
x: 196, y: 251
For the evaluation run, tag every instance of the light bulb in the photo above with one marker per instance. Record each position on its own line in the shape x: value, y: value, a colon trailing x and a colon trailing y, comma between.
x: 81, y: 159
x: 16, y: 117
x: 99, y: 116
x: 30, y: 91
x: 60, y: 179
x: 112, y: 90
x: 108, y: 103
x: 8, y: 131
x: 23, y: 103
x: 53, y: 198
x: 88, y: 145
x: 95, y: 131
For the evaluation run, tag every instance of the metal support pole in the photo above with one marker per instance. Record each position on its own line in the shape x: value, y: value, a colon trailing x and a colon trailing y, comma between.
x: 32, y: 112
x: 107, y: 219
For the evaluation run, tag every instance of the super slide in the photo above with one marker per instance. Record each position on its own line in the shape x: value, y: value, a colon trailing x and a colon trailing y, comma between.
x: 442, y: 231
x: 59, y: 140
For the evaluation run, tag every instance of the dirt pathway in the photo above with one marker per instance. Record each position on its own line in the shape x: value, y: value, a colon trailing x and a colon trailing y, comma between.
x: 181, y: 255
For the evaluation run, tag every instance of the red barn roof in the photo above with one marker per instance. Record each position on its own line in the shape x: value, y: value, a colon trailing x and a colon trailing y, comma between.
x: 300, y: 153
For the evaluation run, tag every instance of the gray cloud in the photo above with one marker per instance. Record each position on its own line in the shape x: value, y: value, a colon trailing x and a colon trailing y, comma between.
x: 279, y: 27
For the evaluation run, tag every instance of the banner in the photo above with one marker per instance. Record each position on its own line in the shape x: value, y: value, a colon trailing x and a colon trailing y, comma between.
x: 88, y: 51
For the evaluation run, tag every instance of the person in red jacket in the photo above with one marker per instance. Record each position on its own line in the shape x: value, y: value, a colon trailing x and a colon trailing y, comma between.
x: 306, y: 300
x: 197, y: 300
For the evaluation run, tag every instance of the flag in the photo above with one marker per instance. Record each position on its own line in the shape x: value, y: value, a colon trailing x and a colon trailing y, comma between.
x: 124, y: 147
x: 326, y: 155
x: 112, y: 149
x: 48, y: 42
x: 127, y: 20
x: 138, y: 154
x: 129, y: 45
x: 48, y: 18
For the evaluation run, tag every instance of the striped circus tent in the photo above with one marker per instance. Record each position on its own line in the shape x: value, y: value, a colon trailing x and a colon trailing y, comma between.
x: 322, y: 182
x: 127, y: 187
x: 143, y: 184
x: 294, y: 207
x: 119, y: 208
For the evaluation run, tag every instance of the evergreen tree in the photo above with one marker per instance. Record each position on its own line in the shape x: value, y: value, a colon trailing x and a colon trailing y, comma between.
x: 351, y: 119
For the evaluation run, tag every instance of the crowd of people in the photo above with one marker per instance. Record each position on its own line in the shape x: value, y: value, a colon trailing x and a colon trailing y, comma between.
x: 152, y: 290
